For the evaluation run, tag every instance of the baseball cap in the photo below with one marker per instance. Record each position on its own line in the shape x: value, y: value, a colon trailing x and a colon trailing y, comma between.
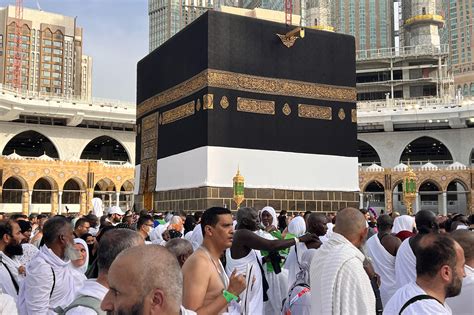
x: 116, y: 210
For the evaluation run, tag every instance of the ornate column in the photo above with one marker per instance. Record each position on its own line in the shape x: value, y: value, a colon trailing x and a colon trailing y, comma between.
x: 60, y: 199
x: 417, y: 202
x: 388, y: 201
x: 444, y: 209
x: 54, y: 203
x: 89, y: 196
x: 30, y: 202
x: 83, y: 203
x: 117, y: 195
x: 25, y: 202
x: 361, y: 200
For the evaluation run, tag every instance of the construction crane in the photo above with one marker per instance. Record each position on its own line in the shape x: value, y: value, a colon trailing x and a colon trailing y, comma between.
x: 18, y: 47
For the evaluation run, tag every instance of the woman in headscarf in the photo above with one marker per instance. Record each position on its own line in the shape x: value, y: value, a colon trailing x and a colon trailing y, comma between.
x: 296, y: 228
x: 90, y: 241
x: 277, y: 277
x: 82, y: 263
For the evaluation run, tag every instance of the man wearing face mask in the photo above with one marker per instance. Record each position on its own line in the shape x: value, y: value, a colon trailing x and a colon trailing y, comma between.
x: 144, y: 227
x: 50, y: 280
x: 10, y: 245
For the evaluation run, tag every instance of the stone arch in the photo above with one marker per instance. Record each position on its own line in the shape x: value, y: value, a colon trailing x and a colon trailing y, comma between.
x: 424, y: 152
x: 22, y: 181
x: 366, y: 152
x: 71, y: 191
x: 77, y: 180
x: 397, y: 196
x: 458, y: 195
x: 430, y: 195
x: 12, y: 190
x: 372, y: 182
x: 31, y: 143
x: 105, y: 184
x: 116, y: 151
x: 127, y: 185
x: 430, y: 181
x: 43, y: 189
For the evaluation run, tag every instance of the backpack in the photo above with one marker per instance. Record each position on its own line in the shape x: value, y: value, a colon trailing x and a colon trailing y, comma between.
x: 85, y: 301
x: 298, y: 300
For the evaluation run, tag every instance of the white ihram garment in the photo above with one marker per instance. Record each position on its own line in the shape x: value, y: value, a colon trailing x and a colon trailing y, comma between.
x: 6, y: 284
x: 384, y: 266
x: 422, y: 307
x: 90, y: 288
x: 405, y: 265
x: 464, y: 302
x: 35, y: 291
x: 339, y: 283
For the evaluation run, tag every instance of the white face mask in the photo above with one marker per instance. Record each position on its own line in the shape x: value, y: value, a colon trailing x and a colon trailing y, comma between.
x: 71, y: 253
x: 150, y: 229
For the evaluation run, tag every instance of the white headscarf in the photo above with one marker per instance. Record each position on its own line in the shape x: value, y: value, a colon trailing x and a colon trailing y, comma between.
x: 196, y: 238
x: 82, y: 269
x: 272, y: 213
x: 156, y: 234
x: 97, y: 208
x: 403, y: 223
x: 297, y: 226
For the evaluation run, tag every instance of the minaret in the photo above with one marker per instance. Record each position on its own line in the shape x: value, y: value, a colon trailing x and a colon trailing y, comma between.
x: 421, y: 22
x: 319, y: 15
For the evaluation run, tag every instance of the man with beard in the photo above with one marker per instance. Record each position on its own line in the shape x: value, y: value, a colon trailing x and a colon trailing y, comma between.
x: 153, y: 283
x: 464, y: 302
x: 50, y: 280
x: 10, y: 245
x: 89, y: 297
x: 439, y: 274
x: 337, y: 270
x: 405, y: 261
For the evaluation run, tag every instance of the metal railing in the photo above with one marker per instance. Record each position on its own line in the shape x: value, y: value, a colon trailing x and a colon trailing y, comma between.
x: 401, y: 52
x: 94, y: 101
x: 414, y: 103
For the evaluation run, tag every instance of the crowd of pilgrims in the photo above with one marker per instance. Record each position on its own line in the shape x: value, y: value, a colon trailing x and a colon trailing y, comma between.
x: 246, y: 262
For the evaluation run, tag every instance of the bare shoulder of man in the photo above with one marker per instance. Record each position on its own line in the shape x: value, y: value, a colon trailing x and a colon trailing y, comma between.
x: 196, y: 275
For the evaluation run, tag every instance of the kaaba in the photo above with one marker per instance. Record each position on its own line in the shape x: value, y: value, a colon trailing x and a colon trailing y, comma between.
x: 226, y: 93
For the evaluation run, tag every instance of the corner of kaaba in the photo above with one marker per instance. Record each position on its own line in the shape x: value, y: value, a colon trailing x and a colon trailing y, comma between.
x: 226, y: 93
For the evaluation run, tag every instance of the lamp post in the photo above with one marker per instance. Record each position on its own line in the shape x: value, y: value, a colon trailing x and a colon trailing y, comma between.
x: 238, y: 188
x: 409, y: 189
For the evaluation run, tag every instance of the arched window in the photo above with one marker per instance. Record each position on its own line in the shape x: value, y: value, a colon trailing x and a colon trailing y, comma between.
x: 465, y: 91
x: 429, y: 196
x: 457, y: 196
x: 426, y: 149
x: 366, y: 153
x: 12, y: 191
x: 42, y: 192
x: 472, y: 89
x: 105, y: 148
x: 71, y: 192
x: 31, y: 143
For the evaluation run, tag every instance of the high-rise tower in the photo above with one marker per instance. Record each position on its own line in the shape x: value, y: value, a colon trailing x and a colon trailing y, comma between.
x: 319, y: 14
x: 422, y: 20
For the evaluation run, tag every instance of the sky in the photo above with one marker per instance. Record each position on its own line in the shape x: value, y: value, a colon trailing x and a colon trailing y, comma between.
x: 115, y: 35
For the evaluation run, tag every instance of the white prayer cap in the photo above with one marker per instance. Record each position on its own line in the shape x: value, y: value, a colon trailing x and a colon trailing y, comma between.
x: 116, y: 210
x: 297, y: 226
x: 403, y: 223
